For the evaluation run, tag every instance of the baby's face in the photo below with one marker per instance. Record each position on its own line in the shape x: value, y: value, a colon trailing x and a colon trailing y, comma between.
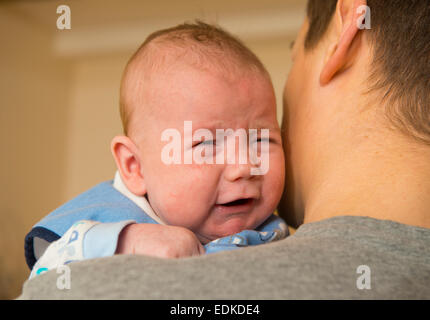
x: 212, y: 200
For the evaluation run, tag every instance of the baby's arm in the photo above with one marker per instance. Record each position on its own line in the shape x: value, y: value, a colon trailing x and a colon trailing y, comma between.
x: 90, y: 239
x: 159, y: 241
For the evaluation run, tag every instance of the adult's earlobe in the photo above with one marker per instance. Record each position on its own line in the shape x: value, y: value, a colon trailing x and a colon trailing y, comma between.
x: 338, y: 55
x: 330, y: 67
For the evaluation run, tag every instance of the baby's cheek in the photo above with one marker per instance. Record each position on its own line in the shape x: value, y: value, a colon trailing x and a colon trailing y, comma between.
x: 277, y: 164
x: 184, y: 213
x: 186, y: 201
x: 185, y: 193
x: 275, y: 179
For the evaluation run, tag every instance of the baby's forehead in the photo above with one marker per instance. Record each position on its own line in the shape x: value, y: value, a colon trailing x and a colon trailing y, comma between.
x: 209, y: 102
x: 157, y: 79
x: 163, y: 57
x: 163, y: 67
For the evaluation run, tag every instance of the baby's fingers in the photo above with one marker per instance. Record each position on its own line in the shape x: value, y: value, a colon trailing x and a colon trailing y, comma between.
x: 200, y: 250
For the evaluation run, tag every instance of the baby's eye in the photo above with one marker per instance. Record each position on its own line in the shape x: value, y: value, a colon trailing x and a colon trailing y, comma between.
x: 263, y: 139
x: 206, y: 142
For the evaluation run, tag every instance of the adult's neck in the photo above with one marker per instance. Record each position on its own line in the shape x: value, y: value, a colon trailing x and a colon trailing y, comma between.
x: 386, y: 176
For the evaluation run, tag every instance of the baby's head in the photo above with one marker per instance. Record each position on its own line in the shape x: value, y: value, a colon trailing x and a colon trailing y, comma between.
x: 198, y: 76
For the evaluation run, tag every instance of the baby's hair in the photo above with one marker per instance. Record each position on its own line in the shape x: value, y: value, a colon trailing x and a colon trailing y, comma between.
x: 200, y: 44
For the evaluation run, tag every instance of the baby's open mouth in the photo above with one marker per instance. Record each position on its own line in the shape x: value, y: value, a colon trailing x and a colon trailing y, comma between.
x: 241, y: 205
x: 238, y: 202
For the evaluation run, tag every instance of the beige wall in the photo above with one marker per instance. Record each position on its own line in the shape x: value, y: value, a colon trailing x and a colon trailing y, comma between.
x: 93, y: 121
x: 34, y: 102
x: 59, y: 111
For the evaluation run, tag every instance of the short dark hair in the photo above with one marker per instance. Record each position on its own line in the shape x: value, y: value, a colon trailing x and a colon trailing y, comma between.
x: 400, y: 36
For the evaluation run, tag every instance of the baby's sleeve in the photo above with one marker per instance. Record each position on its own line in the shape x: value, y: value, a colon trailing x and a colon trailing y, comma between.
x: 85, y: 239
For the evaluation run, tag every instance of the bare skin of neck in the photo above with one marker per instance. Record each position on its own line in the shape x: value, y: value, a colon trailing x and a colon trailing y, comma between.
x: 386, y: 177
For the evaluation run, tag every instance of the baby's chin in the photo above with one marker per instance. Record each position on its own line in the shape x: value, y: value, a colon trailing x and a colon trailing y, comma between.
x: 231, y: 226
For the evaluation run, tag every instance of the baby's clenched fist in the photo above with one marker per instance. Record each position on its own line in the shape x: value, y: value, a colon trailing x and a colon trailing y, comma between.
x: 158, y: 241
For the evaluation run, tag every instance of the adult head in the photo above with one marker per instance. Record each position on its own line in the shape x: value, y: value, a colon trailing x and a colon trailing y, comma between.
x: 357, y: 112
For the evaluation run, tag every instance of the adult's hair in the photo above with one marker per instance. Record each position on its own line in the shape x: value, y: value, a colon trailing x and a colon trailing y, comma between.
x: 400, y: 37
x: 201, y: 44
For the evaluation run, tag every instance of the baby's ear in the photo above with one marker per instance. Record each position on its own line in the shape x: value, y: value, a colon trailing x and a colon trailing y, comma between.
x: 127, y: 160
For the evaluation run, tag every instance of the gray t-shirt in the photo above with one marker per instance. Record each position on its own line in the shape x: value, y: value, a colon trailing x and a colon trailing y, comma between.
x: 338, y: 258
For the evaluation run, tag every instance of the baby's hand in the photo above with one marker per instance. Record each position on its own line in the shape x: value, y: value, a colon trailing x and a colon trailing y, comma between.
x: 158, y: 241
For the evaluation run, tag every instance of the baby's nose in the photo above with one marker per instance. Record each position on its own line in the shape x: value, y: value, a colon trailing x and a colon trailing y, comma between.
x: 238, y: 164
x: 233, y: 172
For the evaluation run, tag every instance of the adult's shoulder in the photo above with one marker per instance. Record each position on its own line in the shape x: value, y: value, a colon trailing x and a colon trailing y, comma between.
x: 320, y: 261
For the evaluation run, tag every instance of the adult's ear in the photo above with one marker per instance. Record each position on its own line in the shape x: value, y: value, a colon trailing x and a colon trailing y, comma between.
x: 339, y: 55
x: 127, y: 160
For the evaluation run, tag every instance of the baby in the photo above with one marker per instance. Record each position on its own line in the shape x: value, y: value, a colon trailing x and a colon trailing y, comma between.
x: 175, y: 196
